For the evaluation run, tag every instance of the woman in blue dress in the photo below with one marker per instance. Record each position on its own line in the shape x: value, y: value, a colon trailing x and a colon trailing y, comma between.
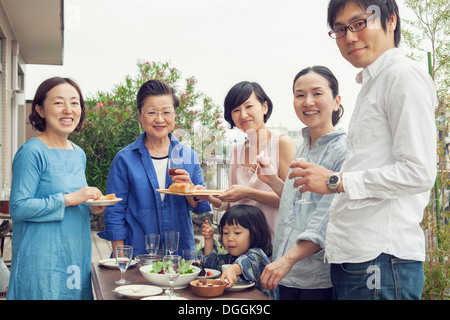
x: 141, y: 168
x: 51, y: 242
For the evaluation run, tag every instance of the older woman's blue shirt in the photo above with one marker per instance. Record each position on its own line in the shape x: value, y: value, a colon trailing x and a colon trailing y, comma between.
x: 132, y: 177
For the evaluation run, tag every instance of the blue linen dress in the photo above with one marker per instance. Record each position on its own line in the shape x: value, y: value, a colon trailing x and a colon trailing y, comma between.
x: 51, y: 244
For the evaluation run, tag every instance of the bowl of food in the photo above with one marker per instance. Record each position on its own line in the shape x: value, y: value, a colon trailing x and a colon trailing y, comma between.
x: 154, y: 273
x: 147, y: 259
x: 208, y: 287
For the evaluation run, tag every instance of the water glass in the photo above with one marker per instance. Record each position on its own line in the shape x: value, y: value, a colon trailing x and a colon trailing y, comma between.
x: 303, y: 196
x: 124, y: 255
x: 171, y: 239
x: 152, y: 243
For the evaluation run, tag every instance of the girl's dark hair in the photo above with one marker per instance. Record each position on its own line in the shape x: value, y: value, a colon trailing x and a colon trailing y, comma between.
x: 155, y: 88
x: 253, y: 219
x: 39, y: 123
x: 332, y: 82
x: 386, y: 9
x: 240, y: 93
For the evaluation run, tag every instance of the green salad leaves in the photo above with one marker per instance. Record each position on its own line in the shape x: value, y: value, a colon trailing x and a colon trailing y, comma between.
x: 186, y: 268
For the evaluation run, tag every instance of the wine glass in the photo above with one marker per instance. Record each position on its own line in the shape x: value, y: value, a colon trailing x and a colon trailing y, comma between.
x: 152, y: 243
x: 124, y: 254
x: 172, y: 268
x: 303, y: 196
x: 174, y: 164
x: 171, y: 241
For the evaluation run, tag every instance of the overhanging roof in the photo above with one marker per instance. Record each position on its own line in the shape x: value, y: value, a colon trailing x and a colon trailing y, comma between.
x: 39, y: 29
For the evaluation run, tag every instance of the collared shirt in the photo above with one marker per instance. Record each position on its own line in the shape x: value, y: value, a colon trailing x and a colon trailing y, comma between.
x: 390, y: 165
x: 133, y: 178
x: 300, y: 222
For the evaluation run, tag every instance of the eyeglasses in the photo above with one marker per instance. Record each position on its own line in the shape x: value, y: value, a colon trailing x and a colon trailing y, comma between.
x: 153, y: 114
x: 355, y: 26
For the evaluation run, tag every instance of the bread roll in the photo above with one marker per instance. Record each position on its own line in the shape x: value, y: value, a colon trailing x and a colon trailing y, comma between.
x: 111, y: 196
x: 179, y: 187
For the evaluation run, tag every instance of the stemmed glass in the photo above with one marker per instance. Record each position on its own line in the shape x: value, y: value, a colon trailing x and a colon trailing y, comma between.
x: 171, y: 241
x: 152, y: 243
x: 172, y: 268
x: 124, y: 254
x: 303, y: 196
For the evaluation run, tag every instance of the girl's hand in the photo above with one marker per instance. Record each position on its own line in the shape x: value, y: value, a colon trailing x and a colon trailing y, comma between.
x: 207, y: 230
x: 230, y: 275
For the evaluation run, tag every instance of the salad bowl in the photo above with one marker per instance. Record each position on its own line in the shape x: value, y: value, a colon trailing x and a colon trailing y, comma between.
x: 158, y: 278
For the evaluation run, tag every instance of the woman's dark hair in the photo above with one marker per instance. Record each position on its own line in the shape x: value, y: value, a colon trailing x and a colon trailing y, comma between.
x: 332, y: 82
x: 240, y: 93
x: 155, y: 88
x: 253, y: 219
x: 386, y: 9
x: 36, y: 120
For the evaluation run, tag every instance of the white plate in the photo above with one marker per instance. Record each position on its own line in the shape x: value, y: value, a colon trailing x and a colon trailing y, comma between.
x: 163, y: 298
x: 97, y: 203
x: 215, y: 273
x: 240, y: 287
x: 112, y: 264
x: 138, y: 291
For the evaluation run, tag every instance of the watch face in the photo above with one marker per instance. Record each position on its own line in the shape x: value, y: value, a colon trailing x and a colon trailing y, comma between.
x: 333, y: 179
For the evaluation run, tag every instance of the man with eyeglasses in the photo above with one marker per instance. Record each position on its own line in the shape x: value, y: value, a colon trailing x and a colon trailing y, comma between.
x: 374, y: 240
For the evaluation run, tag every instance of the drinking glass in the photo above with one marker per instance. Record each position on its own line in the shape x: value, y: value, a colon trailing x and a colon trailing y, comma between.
x: 174, y: 164
x: 124, y: 254
x: 303, y: 196
x: 152, y: 243
x: 171, y: 241
x: 172, y: 268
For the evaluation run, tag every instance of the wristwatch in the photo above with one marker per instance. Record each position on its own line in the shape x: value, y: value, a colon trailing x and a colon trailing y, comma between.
x: 333, y: 182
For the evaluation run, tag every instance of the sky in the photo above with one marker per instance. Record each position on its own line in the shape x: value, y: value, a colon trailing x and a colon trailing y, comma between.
x: 220, y: 43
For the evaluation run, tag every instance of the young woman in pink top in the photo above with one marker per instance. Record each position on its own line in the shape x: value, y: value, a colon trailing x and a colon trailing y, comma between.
x: 248, y: 108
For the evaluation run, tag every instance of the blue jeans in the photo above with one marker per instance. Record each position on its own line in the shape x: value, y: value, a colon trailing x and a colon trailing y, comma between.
x: 384, y: 278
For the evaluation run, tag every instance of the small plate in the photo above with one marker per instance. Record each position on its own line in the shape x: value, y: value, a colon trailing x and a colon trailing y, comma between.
x: 138, y: 291
x: 94, y: 203
x: 215, y: 273
x: 112, y: 264
x: 240, y: 287
x: 195, y: 193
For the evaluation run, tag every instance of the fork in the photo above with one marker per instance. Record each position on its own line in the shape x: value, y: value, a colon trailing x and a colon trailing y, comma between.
x: 255, y: 175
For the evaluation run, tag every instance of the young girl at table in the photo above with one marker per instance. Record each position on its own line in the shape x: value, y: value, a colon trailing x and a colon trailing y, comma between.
x: 244, y: 232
